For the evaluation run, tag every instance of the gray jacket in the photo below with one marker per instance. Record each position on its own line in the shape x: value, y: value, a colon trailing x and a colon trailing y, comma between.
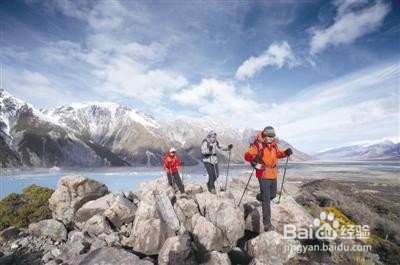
x: 211, y: 157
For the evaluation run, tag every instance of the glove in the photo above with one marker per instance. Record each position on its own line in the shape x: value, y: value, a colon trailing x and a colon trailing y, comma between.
x: 253, y: 163
x: 230, y: 146
x: 288, y: 151
x: 210, y: 148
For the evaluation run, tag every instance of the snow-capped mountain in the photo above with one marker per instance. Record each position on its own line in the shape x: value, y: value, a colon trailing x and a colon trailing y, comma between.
x: 386, y: 148
x: 30, y: 138
x: 105, y: 134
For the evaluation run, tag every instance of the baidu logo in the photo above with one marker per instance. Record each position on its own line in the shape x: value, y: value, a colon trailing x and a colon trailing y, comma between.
x: 326, y: 227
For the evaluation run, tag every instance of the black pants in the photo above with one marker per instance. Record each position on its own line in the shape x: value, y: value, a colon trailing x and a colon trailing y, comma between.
x: 213, y: 173
x: 175, y: 178
x: 268, y: 192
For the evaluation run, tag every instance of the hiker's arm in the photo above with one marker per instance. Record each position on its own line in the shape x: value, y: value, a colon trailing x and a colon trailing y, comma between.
x: 251, y: 153
x: 280, y: 153
x: 204, y: 148
x: 223, y: 147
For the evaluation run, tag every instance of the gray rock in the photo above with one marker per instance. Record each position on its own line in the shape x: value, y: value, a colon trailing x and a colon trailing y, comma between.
x: 185, y: 210
x: 9, y: 233
x: 216, y: 258
x: 107, y: 256
x: 47, y: 257
x: 71, y: 250
x: 49, y: 228
x: 166, y: 211
x: 97, y: 225
x: 111, y: 239
x: 72, y: 192
x: 148, y: 236
x: 94, y: 207
x: 193, y: 189
x: 207, y: 236
x: 98, y: 243
x: 122, y: 211
x: 177, y: 250
x: 271, y: 248
x: 79, y: 236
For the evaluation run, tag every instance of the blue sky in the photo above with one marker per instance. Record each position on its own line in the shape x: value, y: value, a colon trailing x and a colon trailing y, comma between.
x: 323, y: 73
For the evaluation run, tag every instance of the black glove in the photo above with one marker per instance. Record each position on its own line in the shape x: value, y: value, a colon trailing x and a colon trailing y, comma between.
x: 230, y: 146
x: 253, y: 163
x: 288, y: 151
x: 210, y: 148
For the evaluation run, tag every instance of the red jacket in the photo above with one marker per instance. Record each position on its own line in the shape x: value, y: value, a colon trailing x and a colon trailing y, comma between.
x: 269, y: 155
x: 171, y: 163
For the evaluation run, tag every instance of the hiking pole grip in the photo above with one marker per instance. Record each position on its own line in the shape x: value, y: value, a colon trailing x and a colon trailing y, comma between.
x: 246, y: 187
x: 283, y: 179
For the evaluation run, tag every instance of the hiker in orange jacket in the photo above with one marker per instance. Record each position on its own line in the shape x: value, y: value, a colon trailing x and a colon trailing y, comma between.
x: 171, y: 166
x: 263, y: 156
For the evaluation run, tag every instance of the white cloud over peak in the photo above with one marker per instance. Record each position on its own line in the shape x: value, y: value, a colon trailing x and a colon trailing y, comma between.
x: 277, y: 54
x: 353, y: 20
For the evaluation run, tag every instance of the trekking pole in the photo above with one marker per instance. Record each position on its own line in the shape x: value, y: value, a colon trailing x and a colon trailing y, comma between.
x: 246, y: 187
x: 283, y: 179
x: 227, y: 171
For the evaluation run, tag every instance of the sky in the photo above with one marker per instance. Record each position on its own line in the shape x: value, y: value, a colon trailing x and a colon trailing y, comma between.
x: 323, y: 73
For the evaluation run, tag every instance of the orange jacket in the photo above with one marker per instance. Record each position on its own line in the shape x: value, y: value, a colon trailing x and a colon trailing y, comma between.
x: 269, y: 155
x: 171, y: 163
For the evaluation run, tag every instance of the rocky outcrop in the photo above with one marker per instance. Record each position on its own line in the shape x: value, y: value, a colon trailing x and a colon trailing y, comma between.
x: 71, y: 193
x: 177, y: 250
x: 49, y: 228
x: 108, y: 255
x: 156, y: 224
x: 9, y: 233
x: 271, y: 248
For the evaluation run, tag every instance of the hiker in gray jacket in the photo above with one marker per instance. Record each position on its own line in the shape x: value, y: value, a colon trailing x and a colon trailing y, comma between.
x: 210, y: 159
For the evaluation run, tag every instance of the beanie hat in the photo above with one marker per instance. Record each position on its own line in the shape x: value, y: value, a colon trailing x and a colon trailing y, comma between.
x: 211, y: 133
x: 269, y: 131
x: 172, y: 150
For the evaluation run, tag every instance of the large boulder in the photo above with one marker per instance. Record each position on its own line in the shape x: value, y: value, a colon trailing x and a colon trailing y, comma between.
x: 185, y: 209
x: 122, y: 211
x: 216, y: 258
x: 167, y: 212
x: 222, y: 212
x: 49, y: 228
x: 207, y: 236
x: 71, y: 193
x: 177, y: 250
x: 97, y: 225
x: 271, y: 248
x: 107, y: 256
x: 9, y: 233
x: 94, y: 207
x: 148, y: 236
x: 288, y: 211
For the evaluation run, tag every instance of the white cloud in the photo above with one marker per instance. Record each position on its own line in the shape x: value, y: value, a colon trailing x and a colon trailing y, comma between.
x: 361, y: 105
x: 219, y: 99
x: 277, y: 54
x: 349, y: 25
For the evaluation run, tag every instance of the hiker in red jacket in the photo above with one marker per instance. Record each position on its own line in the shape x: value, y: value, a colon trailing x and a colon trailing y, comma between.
x: 263, y: 156
x: 171, y: 166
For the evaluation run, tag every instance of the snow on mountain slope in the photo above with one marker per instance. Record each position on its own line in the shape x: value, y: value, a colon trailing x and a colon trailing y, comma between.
x: 386, y: 148
x: 30, y: 138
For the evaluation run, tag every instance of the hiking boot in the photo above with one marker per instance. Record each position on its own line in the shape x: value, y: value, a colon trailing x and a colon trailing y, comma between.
x: 269, y: 227
x: 213, y: 191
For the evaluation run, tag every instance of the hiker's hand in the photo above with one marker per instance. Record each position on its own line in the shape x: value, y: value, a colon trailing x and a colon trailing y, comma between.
x: 230, y: 146
x: 253, y: 163
x: 288, y: 151
x: 210, y: 148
